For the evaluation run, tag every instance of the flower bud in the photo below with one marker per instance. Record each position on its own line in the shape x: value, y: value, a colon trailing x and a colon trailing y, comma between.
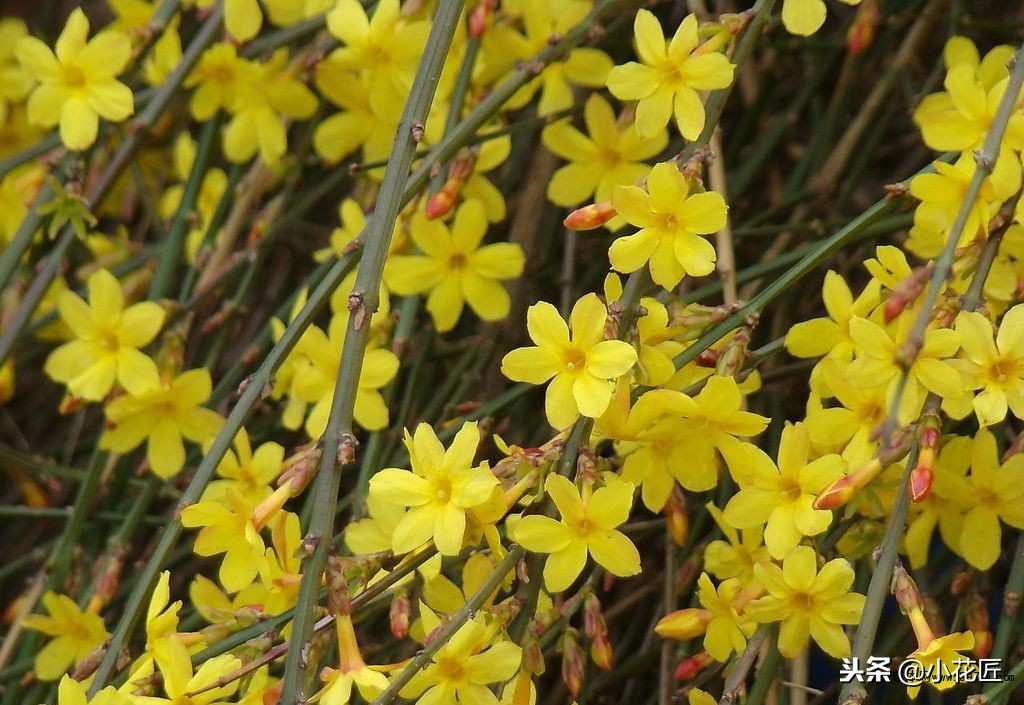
x: 908, y: 289
x: 676, y: 519
x: 459, y: 170
x: 107, y: 581
x: 573, y: 662
x: 590, y: 217
x: 480, y: 17
x: 683, y: 624
x: 533, y: 656
x: 864, y: 27
x: 691, y: 667
x: 401, y: 608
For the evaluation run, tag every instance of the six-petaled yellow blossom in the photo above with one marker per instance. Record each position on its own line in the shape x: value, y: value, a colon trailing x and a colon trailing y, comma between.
x: 441, y: 488
x: 667, y: 81
x: 456, y: 268
x: 672, y: 220
x: 808, y: 602
x: 107, y: 339
x: 577, y: 359
x: 74, y: 634
x: 587, y: 528
x: 162, y: 417
x: 78, y: 80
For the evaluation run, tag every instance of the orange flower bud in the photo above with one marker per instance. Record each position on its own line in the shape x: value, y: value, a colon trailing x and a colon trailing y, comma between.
x: 841, y: 491
x: 459, y: 170
x: 683, y: 624
x: 590, y: 217
x: 921, y: 479
x: 906, y: 291
x: 676, y: 519
x: 691, y: 667
x: 865, y: 24
x: 480, y: 17
x: 107, y: 582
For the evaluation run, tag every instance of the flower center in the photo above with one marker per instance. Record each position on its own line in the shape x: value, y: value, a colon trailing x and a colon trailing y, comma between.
x: 789, y: 488
x: 74, y: 77
x: 670, y: 73
x: 452, y: 669
x: 802, y: 602
x: 669, y: 222
x: 109, y: 342
x: 575, y: 359
x: 457, y: 261
x: 1002, y: 371
x: 443, y: 490
x: 608, y: 158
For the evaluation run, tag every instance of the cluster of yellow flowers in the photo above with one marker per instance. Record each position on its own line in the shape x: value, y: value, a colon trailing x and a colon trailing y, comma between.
x: 632, y: 414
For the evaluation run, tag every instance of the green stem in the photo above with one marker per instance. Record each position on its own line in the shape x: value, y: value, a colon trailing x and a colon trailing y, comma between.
x: 338, y: 439
x: 172, y: 245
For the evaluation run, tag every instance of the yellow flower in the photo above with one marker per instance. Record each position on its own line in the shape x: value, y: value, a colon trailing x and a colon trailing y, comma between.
x: 942, y: 193
x: 15, y: 81
x: 782, y: 496
x: 161, y: 618
x: 368, y: 118
x: 542, y: 20
x: 242, y: 18
x: 441, y: 488
x: 386, y: 47
x: 285, y: 13
x: 163, y: 58
x: 218, y: 78
x: 994, y: 365
x: 179, y: 678
x: 352, y: 670
x: 247, y: 473
x: 878, y: 363
x: 72, y: 692
x: 75, y: 633
x: 581, y: 365
x: 849, y: 427
x: 161, y: 417
x: 830, y: 335
x: 227, y: 527
x: 713, y: 420
x: 462, y: 669
x: 610, y: 156
x: 668, y: 79
x: 736, y: 556
x: 671, y: 220
x: 648, y: 435
x: 456, y: 269
x: 107, y: 341
x: 805, y: 17
x: 316, y: 375
x: 940, y: 659
x: 588, y: 526
x: 77, y: 85
x: 256, y: 125
x: 727, y: 631
x: 808, y: 602
x: 959, y: 117
x: 993, y: 492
